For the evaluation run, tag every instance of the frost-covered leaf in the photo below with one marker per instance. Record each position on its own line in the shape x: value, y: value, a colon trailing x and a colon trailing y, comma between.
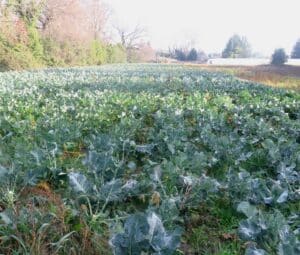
x: 5, y: 219
x: 268, y: 191
x: 3, y: 171
x: 289, y: 244
x: 283, y: 197
x: 171, y: 148
x: 117, y: 190
x: 249, y: 230
x: 188, y: 180
x: 145, y: 233
x: 79, y: 183
x: 156, y: 175
x: 101, y: 163
x: 131, y: 165
x: 111, y: 191
x: 169, y: 211
x: 201, y: 189
x: 255, y: 251
x: 288, y: 173
x: 145, y: 148
x: 247, y: 209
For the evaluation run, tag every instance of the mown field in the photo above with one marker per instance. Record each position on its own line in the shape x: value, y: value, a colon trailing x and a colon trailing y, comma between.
x: 147, y: 159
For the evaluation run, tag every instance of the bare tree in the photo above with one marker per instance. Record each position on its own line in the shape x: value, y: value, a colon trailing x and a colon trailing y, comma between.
x: 65, y: 20
x: 76, y: 20
x: 54, y: 8
x: 97, y: 13
x: 145, y: 53
x: 131, y: 38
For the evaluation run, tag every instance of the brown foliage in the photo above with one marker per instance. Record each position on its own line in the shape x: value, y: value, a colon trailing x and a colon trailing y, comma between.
x: 47, y: 220
x: 74, y: 20
x: 13, y: 29
x: 64, y: 21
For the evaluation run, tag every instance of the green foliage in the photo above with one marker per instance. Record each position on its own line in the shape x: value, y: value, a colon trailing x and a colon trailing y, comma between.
x: 296, y: 50
x: 212, y: 229
x: 35, y: 43
x: 53, y: 52
x: 47, y: 52
x: 145, y: 233
x: 16, y: 57
x: 116, y: 54
x: 279, y: 57
x: 97, y: 53
x: 270, y: 232
x: 23, y: 47
x: 237, y: 47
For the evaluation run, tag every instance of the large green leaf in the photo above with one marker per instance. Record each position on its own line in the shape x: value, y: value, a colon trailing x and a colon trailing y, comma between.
x: 145, y: 233
x: 79, y: 183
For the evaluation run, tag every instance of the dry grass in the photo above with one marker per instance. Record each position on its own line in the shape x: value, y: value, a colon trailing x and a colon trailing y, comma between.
x: 276, y: 76
x: 45, y: 226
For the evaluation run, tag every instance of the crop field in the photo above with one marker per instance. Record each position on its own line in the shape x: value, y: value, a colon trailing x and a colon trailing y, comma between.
x: 147, y: 159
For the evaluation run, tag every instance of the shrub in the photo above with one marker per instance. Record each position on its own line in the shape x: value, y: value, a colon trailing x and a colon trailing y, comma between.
x: 279, y: 57
x: 16, y: 57
x: 35, y: 43
x: 97, y: 53
x: 116, y: 54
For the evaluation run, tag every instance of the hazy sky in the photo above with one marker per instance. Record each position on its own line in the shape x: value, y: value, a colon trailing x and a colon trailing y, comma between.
x: 267, y: 24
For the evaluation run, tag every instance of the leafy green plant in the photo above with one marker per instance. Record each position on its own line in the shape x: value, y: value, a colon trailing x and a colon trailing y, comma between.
x: 145, y: 233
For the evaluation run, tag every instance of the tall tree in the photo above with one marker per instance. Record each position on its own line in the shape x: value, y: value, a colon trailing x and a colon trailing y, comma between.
x: 180, y: 54
x: 65, y: 20
x: 296, y: 50
x: 193, y: 55
x: 237, y: 47
x: 131, y: 37
x: 97, y: 14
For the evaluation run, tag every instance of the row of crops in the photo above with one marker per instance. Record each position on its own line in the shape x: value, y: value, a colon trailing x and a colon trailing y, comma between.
x: 120, y: 158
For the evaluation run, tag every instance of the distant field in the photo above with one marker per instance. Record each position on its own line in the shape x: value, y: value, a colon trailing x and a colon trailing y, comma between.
x: 247, y: 61
x: 286, y: 76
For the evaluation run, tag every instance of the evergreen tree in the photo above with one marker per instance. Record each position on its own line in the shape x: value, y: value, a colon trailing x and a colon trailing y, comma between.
x: 193, y: 55
x: 237, y: 47
x: 279, y: 57
x: 180, y: 55
x: 296, y: 50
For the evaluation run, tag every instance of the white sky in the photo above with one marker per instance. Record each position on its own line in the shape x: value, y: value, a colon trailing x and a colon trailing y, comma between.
x: 267, y: 24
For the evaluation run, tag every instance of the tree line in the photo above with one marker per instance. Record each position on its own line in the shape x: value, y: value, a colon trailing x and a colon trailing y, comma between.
x: 36, y: 33
x: 236, y: 47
